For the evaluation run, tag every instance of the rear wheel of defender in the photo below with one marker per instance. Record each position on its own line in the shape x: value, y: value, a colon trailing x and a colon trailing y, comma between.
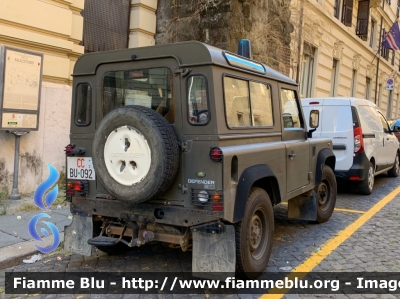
x: 254, y: 235
x: 326, y: 195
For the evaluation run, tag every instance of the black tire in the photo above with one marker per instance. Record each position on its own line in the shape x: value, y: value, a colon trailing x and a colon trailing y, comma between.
x: 253, y: 248
x: 117, y: 249
x: 152, y: 136
x: 394, y: 171
x: 365, y: 187
x: 326, y: 195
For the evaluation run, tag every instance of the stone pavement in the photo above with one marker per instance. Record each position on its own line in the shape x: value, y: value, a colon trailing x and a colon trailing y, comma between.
x: 372, y: 248
x: 15, y: 240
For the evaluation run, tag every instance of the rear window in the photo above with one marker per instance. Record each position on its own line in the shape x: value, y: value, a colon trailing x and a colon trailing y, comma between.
x: 336, y: 119
x: 83, y: 98
x: 150, y: 88
x: 198, y: 101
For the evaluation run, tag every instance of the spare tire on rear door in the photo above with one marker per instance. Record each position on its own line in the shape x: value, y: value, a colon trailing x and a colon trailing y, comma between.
x: 135, y: 153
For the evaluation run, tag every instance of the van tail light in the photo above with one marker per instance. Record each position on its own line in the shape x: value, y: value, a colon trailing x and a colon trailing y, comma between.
x: 358, y: 140
x: 216, y: 154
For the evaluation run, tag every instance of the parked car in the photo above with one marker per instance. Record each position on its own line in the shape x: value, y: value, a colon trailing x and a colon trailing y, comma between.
x: 363, y: 142
x: 174, y: 147
x: 394, y: 124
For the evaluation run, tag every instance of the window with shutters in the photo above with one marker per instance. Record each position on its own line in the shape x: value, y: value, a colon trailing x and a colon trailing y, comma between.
x: 398, y: 8
x: 347, y: 12
x: 372, y: 33
x: 362, y: 19
x: 354, y: 83
x: 307, y: 77
x: 105, y: 25
x: 384, y: 50
x: 368, y: 88
x: 393, y: 56
x: 334, y: 77
x: 336, y: 9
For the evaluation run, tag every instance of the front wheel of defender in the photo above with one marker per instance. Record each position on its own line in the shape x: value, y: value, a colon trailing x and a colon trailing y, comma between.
x: 254, y: 235
x: 326, y: 195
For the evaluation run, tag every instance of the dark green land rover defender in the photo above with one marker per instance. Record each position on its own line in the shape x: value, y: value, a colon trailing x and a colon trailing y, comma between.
x: 192, y: 145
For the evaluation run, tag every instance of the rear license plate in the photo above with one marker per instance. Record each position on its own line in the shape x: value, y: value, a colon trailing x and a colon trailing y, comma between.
x: 80, y: 168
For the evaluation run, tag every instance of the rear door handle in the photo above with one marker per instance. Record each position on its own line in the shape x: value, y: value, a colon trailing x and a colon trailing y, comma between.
x: 291, y: 156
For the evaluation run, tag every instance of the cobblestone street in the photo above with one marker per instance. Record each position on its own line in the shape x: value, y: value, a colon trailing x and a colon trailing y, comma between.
x: 373, y: 247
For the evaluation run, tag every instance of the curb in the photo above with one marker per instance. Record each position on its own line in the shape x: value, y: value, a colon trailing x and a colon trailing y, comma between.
x: 10, y: 256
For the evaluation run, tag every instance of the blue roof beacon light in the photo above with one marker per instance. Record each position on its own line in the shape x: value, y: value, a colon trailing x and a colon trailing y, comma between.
x: 244, y: 48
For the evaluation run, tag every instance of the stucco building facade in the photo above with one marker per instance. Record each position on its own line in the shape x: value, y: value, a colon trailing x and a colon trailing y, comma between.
x: 335, y: 50
x: 55, y: 29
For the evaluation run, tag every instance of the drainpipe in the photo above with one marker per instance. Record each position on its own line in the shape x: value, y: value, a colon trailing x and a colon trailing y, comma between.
x: 300, y: 41
x: 379, y: 54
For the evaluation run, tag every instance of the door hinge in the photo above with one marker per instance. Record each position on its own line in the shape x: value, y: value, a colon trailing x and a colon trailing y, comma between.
x: 183, y: 187
x: 183, y: 146
x: 310, y: 176
x: 182, y: 72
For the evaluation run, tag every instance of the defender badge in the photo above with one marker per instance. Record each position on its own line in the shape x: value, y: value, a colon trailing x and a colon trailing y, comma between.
x: 200, y: 174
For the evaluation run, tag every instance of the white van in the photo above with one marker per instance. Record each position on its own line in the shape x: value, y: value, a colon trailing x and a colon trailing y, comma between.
x: 363, y: 143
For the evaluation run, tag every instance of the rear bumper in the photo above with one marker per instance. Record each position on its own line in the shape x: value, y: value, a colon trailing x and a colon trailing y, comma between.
x: 358, y: 169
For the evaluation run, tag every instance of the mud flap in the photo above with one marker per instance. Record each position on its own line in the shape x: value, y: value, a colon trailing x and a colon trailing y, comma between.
x: 303, y: 207
x: 214, y: 250
x: 77, y: 234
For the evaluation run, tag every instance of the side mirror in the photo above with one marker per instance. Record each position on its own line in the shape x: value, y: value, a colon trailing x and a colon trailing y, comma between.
x: 314, y: 122
x: 395, y: 129
x: 314, y: 119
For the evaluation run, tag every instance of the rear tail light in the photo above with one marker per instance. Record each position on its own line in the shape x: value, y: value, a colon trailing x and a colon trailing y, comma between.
x: 216, y: 154
x: 358, y: 140
x: 68, y: 149
x: 79, y: 188
x: 217, y: 207
x: 314, y: 103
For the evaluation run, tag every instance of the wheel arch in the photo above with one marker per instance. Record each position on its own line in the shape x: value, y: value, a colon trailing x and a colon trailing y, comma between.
x: 255, y: 176
x: 325, y: 157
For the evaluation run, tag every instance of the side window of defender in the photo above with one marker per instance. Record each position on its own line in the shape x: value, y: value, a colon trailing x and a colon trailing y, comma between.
x: 83, y: 99
x: 198, y: 112
x: 290, y: 111
x: 248, y: 103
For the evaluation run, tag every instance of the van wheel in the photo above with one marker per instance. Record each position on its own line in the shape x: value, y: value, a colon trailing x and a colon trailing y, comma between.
x: 326, y: 195
x: 394, y: 172
x: 254, y: 235
x: 365, y: 187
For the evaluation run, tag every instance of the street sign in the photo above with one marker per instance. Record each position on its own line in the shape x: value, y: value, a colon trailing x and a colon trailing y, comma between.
x: 20, y: 84
x: 389, y: 84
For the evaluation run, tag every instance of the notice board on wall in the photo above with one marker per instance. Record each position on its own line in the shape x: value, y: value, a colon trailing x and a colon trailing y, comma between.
x: 20, y: 87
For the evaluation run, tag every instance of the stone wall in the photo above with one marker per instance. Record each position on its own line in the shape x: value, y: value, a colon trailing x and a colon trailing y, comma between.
x: 222, y: 23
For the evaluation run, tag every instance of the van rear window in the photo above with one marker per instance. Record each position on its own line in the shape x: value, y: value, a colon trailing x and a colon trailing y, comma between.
x: 150, y: 88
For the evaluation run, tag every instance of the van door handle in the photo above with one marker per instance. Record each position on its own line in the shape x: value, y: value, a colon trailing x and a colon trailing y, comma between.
x: 291, y: 156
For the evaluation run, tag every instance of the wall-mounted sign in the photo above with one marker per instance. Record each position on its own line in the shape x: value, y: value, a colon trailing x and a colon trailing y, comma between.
x: 20, y: 85
x: 389, y: 84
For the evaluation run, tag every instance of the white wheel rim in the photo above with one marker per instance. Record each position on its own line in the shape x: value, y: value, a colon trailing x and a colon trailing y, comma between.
x: 127, y: 155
